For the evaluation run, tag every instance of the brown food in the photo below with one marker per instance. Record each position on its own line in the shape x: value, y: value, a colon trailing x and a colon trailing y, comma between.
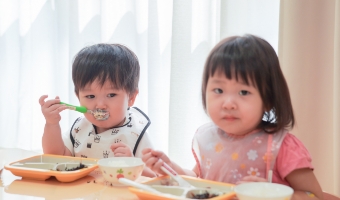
x: 205, y: 195
x: 81, y: 166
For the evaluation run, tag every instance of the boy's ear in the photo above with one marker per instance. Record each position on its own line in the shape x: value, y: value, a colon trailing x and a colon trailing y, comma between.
x: 132, y: 98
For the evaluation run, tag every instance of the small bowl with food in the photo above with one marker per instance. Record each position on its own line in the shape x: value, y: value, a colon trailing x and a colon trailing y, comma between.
x: 121, y: 167
x: 263, y: 191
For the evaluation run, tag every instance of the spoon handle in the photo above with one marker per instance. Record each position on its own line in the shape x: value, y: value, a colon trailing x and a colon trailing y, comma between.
x: 172, y: 173
x: 270, y: 176
x: 126, y: 181
x: 81, y: 109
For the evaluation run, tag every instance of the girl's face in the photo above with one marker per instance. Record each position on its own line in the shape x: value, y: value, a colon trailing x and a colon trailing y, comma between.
x: 233, y: 106
x: 115, y: 101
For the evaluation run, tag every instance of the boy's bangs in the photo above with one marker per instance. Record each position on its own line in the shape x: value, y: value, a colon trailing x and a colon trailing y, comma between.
x: 113, y: 78
x: 101, y: 76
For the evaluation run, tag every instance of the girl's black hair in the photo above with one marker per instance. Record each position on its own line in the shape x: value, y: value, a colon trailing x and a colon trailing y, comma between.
x: 113, y: 62
x: 254, y: 61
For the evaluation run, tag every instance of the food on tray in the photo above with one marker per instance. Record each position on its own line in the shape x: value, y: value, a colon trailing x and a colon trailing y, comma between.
x: 42, y: 167
x: 205, y: 195
x: 81, y: 166
x: 169, y: 182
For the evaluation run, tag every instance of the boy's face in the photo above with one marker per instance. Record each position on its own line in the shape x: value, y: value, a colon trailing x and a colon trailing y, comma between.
x: 115, y: 101
x: 233, y: 106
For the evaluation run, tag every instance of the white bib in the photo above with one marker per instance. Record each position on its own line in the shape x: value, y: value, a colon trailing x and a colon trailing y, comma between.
x: 87, y: 143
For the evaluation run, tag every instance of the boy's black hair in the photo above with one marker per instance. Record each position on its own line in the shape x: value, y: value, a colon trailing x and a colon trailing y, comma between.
x: 113, y: 62
x: 254, y: 61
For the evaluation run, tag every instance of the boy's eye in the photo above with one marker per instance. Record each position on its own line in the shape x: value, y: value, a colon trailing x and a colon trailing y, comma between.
x: 218, y: 91
x: 243, y: 92
x: 89, y: 96
x: 111, y: 95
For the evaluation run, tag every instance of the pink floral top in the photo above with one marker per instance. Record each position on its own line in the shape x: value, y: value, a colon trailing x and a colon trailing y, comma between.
x: 228, y: 158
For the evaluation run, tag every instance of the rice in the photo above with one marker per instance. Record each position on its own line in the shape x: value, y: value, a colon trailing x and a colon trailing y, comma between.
x: 118, y: 163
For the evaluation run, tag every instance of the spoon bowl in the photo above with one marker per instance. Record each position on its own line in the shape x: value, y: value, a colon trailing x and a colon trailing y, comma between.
x: 191, y: 191
x: 173, y: 174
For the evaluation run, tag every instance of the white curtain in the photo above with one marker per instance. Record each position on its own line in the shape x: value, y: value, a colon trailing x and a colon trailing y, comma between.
x: 172, y: 38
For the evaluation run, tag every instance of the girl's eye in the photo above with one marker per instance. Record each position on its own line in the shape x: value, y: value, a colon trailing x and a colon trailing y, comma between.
x: 218, y: 91
x: 89, y: 96
x: 243, y: 92
x: 111, y: 95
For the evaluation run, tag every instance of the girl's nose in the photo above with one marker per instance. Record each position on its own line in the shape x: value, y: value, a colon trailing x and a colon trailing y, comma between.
x: 229, y: 103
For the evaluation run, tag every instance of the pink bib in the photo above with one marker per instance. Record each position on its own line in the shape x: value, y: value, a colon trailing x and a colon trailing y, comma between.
x: 228, y: 158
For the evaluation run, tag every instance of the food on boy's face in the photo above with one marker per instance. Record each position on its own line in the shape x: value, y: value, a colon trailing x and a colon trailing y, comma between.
x: 100, y: 114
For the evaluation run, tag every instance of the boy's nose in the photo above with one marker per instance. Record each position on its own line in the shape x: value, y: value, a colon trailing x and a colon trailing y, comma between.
x: 101, y: 104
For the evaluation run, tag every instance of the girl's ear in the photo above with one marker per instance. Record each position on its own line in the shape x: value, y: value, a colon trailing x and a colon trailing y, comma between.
x: 132, y: 98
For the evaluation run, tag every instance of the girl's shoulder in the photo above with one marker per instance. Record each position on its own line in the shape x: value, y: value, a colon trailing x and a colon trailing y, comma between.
x: 292, y: 143
x: 292, y: 155
x: 207, y: 127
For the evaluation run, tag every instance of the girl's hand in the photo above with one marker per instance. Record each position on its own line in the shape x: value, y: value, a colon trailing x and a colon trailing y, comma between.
x: 51, y: 109
x: 120, y: 149
x: 154, y: 160
x: 247, y: 179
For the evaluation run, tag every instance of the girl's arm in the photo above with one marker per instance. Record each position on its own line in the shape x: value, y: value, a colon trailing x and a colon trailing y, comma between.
x: 305, y: 185
x: 182, y: 171
x: 155, y: 159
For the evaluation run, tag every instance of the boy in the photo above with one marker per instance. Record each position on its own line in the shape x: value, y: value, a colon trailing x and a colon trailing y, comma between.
x: 105, y: 78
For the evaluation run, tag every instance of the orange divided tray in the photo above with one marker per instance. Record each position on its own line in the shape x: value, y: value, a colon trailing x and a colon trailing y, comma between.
x: 44, y: 166
x: 226, y: 188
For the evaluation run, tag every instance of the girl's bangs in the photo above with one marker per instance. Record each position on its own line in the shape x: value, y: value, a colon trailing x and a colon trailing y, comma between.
x: 234, y: 69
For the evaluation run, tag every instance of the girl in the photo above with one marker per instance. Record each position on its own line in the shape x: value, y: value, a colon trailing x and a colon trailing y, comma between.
x: 247, y: 98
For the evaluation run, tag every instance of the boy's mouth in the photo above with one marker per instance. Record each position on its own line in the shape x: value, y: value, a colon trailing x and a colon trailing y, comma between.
x: 100, y: 114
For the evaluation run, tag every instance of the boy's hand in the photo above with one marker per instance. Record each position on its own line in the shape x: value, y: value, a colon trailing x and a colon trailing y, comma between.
x: 154, y: 160
x: 51, y: 109
x: 121, y: 150
x: 247, y: 179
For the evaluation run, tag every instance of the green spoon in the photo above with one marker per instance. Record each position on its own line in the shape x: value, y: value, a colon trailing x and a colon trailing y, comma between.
x: 81, y: 109
x: 98, y: 114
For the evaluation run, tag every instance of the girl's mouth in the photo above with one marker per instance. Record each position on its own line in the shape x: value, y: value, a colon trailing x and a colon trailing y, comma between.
x: 229, y: 118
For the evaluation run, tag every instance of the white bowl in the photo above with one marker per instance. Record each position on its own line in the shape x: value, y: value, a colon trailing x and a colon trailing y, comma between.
x: 118, y: 167
x: 263, y: 191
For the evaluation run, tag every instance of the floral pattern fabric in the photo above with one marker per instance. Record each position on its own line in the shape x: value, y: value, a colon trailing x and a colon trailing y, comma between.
x: 228, y: 158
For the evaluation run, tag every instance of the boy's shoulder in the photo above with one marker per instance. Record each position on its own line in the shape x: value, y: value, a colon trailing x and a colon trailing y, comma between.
x: 137, y: 114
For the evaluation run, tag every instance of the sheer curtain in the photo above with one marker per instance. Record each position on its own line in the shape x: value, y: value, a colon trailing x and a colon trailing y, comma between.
x: 39, y: 38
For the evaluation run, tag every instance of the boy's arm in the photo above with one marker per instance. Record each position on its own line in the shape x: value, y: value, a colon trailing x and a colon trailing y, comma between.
x: 52, y: 141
